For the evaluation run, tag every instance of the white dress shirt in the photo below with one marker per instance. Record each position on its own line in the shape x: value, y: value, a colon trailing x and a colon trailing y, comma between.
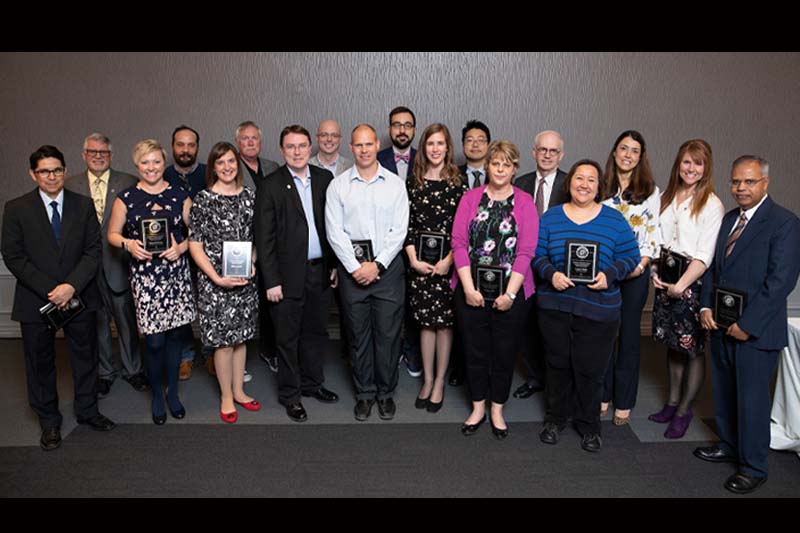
x: 693, y: 237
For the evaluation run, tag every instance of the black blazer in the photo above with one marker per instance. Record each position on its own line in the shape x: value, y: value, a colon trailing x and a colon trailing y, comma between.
x: 281, y: 229
x: 527, y: 183
x: 31, y: 253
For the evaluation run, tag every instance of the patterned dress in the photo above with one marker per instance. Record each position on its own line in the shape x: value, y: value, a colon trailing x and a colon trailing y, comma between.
x: 493, y: 234
x: 431, y: 209
x: 227, y: 316
x: 162, y: 289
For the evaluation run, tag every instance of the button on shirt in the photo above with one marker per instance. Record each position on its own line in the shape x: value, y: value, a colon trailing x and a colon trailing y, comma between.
x: 307, y: 199
x: 356, y: 210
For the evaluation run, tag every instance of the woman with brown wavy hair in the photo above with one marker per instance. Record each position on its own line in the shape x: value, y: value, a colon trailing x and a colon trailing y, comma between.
x: 434, y: 191
x: 691, y: 215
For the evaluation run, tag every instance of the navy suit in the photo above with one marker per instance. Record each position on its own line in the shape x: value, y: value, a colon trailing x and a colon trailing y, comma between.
x: 386, y: 159
x: 764, y: 263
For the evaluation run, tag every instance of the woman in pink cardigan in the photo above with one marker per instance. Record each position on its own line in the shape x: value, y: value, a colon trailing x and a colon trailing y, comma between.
x: 494, y: 238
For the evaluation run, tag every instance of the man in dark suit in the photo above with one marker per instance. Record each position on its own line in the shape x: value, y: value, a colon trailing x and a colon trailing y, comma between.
x: 475, y: 139
x: 248, y: 138
x: 758, y: 254
x: 101, y: 183
x: 51, y: 243
x: 546, y: 185
x: 298, y: 267
x: 399, y: 159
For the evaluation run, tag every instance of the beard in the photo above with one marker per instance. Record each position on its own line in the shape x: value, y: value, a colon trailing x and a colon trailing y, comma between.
x: 402, y: 144
x: 185, y: 160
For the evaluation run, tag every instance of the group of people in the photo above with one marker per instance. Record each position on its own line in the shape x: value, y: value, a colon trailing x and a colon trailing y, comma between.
x: 427, y: 259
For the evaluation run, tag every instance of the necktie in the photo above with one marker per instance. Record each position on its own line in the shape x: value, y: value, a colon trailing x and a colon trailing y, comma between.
x: 99, y: 199
x: 735, y: 235
x: 476, y: 179
x: 403, y: 157
x: 540, y: 197
x: 56, y: 222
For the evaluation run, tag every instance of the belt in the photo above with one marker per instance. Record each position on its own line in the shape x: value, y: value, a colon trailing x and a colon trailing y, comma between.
x: 314, y: 262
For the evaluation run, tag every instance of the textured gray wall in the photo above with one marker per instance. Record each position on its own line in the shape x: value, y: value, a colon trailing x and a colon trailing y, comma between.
x: 738, y: 102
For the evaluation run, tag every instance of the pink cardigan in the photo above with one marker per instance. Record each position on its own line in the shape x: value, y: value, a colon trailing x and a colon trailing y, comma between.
x: 527, y: 219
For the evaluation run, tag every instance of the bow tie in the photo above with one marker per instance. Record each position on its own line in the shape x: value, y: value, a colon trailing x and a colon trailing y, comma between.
x: 401, y: 157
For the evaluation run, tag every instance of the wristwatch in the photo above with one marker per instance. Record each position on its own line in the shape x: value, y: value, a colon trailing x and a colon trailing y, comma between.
x: 511, y: 295
x: 381, y: 268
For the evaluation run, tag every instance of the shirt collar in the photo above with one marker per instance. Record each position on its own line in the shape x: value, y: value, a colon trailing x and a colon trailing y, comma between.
x: 46, y: 199
x: 355, y: 175
x: 470, y: 170
x: 752, y: 211
x: 104, y: 177
x: 190, y: 171
x: 295, y: 176
x: 549, y: 178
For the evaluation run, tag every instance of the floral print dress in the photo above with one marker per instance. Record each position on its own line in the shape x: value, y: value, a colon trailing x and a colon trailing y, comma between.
x: 161, y: 289
x: 432, y: 209
x: 493, y: 234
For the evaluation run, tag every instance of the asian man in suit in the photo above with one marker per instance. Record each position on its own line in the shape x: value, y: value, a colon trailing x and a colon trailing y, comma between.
x: 51, y: 243
x: 298, y: 268
x: 758, y: 254
x: 546, y: 185
x: 101, y: 183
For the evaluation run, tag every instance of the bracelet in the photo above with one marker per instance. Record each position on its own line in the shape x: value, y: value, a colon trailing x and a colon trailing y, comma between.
x: 124, y: 245
x: 640, y: 267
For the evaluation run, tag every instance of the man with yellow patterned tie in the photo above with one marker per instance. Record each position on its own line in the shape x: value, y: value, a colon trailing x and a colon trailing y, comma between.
x: 102, y: 183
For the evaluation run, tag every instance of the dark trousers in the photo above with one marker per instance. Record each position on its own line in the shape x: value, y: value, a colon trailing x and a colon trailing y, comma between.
x: 266, y: 330
x: 741, y: 376
x: 532, y: 348
x: 301, y: 334
x: 119, y: 307
x: 163, y: 353
x: 373, y: 317
x: 409, y: 343
x: 577, y: 351
x: 490, y: 342
x: 40, y: 368
x: 622, y: 376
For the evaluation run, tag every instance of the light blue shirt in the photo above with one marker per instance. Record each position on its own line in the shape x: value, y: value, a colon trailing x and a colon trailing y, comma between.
x: 60, y: 199
x: 356, y: 210
x: 304, y: 190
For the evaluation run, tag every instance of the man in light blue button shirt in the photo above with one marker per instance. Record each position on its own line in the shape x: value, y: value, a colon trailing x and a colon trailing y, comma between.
x: 369, y: 203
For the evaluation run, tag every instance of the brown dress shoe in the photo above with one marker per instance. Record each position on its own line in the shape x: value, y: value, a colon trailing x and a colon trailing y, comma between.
x: 185, y: 371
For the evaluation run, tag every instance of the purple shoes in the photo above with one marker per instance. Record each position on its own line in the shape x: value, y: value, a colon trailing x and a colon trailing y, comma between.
x: 678, y: 426
x: 665, y: 415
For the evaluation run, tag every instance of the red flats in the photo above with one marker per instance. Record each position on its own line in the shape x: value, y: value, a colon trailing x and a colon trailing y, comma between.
x: 230, y: 418
x: 250, y: 406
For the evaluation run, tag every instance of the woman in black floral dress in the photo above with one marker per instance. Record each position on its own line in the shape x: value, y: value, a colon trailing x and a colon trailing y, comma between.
x: 228, y: 306
x: 160, y: 283
x: 433, y: 192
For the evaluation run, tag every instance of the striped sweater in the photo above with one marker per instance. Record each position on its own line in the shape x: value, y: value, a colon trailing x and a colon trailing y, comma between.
x: 618, y: 256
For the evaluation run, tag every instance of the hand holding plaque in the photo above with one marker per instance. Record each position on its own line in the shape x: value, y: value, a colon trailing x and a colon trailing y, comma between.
x: 237, y: 259
x: 363, y: 250
x: 671, y: 266
x: 431, y: 247
x: 56, y: 318
x: 490, y: 281
x: 155, y: 234
x: 582, y: 257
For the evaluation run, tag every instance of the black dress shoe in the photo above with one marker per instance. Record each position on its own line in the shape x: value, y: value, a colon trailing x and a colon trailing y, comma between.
x: 456, y: 379
x: 51, y: 439
x: 498, y: 433
x: 713, y: 454
x: 296, y: 412
x: 551, y: 433
x: 386, y: 409
x: 138, y: 382
x: 526, y: 391
x: 103, y: 388
x: 159, y: 420
x: 741, y: 483
x: 323, y: 395
x: 470, y: 429
x: 99, y: 423
x: 591, y: 442
x: 363, y: 409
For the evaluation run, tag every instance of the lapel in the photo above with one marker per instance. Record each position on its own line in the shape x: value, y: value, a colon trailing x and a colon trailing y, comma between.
x: 751, y: 230
x: 318, y: 200
x: 69, y: 218
x: 291, y: 190
x: 111, y: 194
x: 42, y: 220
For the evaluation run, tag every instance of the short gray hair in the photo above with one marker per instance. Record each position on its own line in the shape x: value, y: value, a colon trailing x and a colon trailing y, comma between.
x: 97, y: 137
x: 763, y: 163
x: 246, y: 124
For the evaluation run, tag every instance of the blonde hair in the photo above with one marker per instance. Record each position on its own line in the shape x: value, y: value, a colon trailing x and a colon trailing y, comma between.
x: 146, y: 146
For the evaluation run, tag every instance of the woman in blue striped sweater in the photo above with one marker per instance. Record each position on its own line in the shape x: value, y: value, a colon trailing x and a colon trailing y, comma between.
x: 581, y: 319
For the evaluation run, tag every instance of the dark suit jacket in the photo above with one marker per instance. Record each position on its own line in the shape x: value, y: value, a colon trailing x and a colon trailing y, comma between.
x: 464, y: 178
x: 765, y: 263
x: 527, y: 183
x: 386, y: 159
x: 115, y: 266
x: 31, y: 253
x: 268, y: 166
x: 282, y: 229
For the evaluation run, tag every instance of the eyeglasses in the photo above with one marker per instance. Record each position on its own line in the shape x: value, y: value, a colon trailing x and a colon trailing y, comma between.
x: 98, y: 153
x: 749, y: 183
x: 401, y: 125
x: 293, y: 147
x: 329, y: 135
x: 45, y: 172
x: 544, y: 151
x: 473, y: 140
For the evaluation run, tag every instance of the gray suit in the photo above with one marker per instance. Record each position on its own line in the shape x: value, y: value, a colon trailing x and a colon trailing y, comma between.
x: 342, y: 164
x: 267, y: 167
x: 112, y: 280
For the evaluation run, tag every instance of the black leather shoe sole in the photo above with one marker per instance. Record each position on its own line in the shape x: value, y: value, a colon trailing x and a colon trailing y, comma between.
x: 296, y: 414
x: 713, y: 457
x: 324, y: 397
x: 50, y: 443
x: 741, y: 484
